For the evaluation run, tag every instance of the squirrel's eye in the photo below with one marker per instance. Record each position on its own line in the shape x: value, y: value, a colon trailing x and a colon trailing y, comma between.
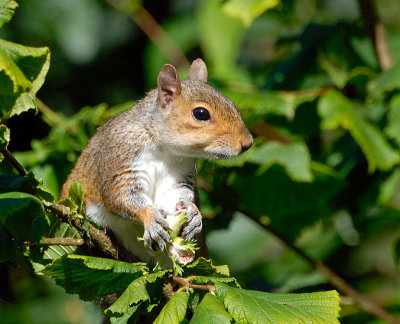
x: 201, y: 114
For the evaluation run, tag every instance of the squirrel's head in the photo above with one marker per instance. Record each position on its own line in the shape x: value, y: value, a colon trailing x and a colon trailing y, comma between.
x: 200, y: 121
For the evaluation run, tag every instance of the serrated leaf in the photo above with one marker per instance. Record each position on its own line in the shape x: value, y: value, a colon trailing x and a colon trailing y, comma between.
x: 21, y: 208
x: 248, y: 10
x: 202, y: 266
x: 11, y: 182
x: 4, y: 137
x: 338, y: 111
x: 249, y: 306
x: 91, y: 277
x: 22, y: 73
x: 211, y: 310
x: 202, y: 280
x: 294, y: 157
x: 7, y: 9
x: 175, y: 310
x: 76, y: 193
x: 69, y: 203
x: 134, y: 293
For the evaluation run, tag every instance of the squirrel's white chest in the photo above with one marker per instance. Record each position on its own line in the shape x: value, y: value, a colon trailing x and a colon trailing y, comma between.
x: 160, y: 172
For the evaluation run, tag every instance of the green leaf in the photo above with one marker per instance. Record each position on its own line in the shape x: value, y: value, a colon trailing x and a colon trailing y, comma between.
x: 76, y: 193
x: 22, y: 73
x: 134, y: 293
x: 21, y: 208
x: 392, y: 130
x: 11, y: 182
x: 220, y: 36
x: 175, y: 310
x: 338, y: 111
x: 389, y: 188
x: 202, y: 266
x: 91, y: 277
x: 386, y: 81
x: 202, y: 280
x: 211, y: 310
x: 7, y: 246
x: 7, y: 8
x: 249, y: 306
x: 248, y: 10
x: 294, y: 157
x: 4, y: 137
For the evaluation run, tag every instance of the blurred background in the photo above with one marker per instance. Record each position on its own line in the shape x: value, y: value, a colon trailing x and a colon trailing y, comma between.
x: 313, y: 84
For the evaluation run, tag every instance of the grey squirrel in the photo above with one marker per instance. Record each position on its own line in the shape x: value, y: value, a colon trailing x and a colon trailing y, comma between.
x: 140, y: 165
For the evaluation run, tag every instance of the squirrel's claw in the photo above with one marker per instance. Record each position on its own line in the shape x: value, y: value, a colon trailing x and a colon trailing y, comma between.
x: 194, y: 223
x: 156, y: 231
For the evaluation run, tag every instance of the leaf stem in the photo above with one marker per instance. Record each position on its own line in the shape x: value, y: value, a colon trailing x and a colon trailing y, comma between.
x: 182, y: 281
x: 7, y: 154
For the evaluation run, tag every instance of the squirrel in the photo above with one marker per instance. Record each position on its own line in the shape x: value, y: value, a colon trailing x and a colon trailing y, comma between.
x: 140, y: 165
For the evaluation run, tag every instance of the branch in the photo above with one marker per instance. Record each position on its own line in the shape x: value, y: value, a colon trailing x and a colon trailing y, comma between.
x: 154, y: 32
x: 338, y: 282
x: 182, y: 281
x: 99, y: 238
x: 7, y: 154
x: 60, y: 241
x: 377, y: 32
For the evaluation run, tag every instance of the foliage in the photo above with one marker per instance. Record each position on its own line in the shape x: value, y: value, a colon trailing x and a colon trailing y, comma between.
x: 323, y: 172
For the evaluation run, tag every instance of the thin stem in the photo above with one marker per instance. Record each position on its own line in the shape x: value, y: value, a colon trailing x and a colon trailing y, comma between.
x: 377, y: 32
x: 154, y: 32
x: 7, y: 154
x: 182, y: 281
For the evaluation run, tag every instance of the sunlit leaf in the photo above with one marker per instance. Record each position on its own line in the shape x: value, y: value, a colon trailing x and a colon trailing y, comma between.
x: 338, y: 111
x: 175, y: 310
x: 211, y: 310
x: 22, y: 73
x: 248, y: 10
x: 134, y: 293
x: 248, y: 306
x: 4, y: 138
x: 7, y: 8
x: 91, y: 277
x: 294, y: 157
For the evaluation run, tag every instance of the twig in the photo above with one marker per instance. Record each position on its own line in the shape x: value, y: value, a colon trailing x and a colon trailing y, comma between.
x: 377, y: 33
x: 60, y: 241
x: 154, y: 32
x: 338, y: 282
x: 183, y: 282
x: 7, y: 154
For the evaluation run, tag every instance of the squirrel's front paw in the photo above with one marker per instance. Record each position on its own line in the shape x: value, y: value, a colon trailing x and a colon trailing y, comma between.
x: 157, y: 231
x: 194, y: 223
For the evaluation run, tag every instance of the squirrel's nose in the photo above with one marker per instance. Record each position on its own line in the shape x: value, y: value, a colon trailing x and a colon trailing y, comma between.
x: 246, y: 143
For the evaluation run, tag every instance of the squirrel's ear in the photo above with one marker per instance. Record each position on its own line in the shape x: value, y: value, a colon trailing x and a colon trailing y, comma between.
x: 198, y: 71
x: 168, y: 84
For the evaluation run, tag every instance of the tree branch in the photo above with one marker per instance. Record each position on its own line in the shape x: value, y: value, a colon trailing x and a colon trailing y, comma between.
x: 377, y: 32
x: 154, y: 32
x: 338, y: 282
x: 99, y: 238
x: 7, y: 154
x: 60, y: 241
